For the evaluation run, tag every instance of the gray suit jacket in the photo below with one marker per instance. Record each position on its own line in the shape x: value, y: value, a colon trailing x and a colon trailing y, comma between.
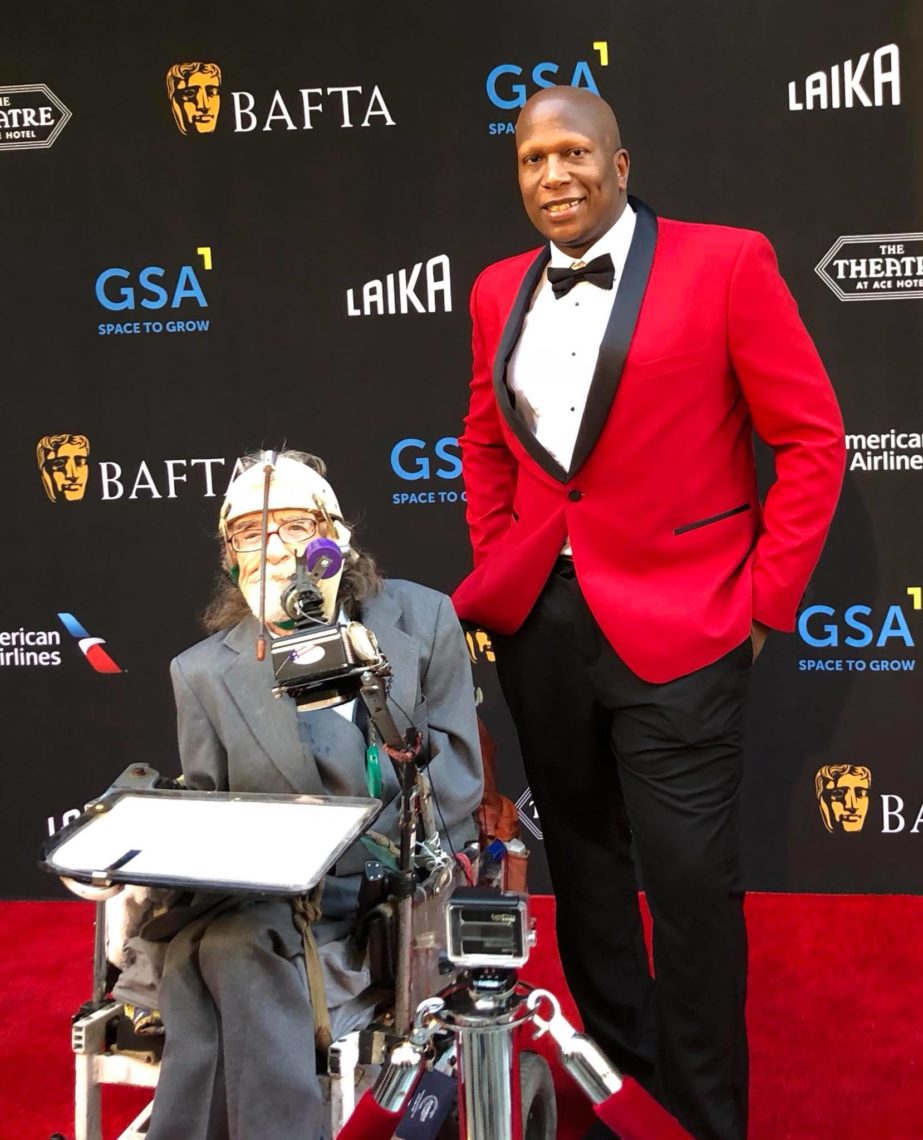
x: 235, y: 736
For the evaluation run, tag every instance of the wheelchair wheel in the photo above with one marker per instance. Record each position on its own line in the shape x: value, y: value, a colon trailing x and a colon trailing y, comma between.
x: 539, y: 1107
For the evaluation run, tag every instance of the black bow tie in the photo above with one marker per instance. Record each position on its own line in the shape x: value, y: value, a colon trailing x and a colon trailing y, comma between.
x: 600, y: 271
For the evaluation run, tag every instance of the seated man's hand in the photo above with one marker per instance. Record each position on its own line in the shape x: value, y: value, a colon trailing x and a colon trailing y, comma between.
x: 91, y: 893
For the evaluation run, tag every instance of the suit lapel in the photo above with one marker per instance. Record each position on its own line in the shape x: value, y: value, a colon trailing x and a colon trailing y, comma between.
x: 381, y: 614
x: 508, y: 342
x: 273, y: 722
x: 617, y: 338
x: 612, y: 350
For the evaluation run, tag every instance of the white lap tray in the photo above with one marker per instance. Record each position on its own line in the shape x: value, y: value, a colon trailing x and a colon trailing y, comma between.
x: 221, y: 841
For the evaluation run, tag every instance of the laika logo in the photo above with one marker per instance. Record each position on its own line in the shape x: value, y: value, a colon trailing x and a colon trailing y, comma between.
x: 842, y: 85
x: 194, y: 91
x: 398, y: 292
x: 31, y: 117
x: 842, y: 792
x: 884, y: 633
x: 153, y: 287
x: 874, y: 267
x: 64, y: 468
x: 886, y: 451
x: 416, y: 460
x: 528, y: 813
x: 508, y: 90
x: 90, y: 647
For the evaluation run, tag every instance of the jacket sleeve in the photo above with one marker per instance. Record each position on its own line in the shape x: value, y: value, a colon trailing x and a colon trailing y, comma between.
x: 455, y: 769
x: 488, y: 467
x: 202, y: 755
x: 795, y: 411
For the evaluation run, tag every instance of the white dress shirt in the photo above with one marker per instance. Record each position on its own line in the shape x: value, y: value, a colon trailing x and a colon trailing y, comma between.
x: 552, y: 367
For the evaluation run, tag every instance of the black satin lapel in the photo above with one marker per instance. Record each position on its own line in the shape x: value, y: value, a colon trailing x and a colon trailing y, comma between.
x: 507, y: 346
x: 616, y: 339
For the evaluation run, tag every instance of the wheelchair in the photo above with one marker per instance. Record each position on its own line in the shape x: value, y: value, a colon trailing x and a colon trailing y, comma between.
x: 107, y: 1051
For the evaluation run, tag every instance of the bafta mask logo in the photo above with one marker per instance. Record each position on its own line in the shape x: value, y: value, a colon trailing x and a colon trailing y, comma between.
x: 843, y: 796
x: 194, y: 91
x: 479, y: 645
x: 64, y: 465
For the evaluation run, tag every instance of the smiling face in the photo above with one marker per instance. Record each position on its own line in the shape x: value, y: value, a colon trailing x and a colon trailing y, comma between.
x: 573, y: 172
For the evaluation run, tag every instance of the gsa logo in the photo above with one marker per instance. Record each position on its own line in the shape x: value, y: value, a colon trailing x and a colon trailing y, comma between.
x: 415, y: 459
x: 153, y: 287
x: 861, y: 627
x: 410, y: 459
x: 509, y: 85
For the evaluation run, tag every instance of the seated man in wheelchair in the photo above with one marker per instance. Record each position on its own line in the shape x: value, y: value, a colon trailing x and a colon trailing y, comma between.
x: 239, y: 1059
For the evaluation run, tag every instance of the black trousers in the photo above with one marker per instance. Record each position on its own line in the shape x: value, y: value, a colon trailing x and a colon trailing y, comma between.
x: 621, y: 770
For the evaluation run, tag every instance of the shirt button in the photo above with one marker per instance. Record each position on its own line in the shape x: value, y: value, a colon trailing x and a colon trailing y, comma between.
x: 575, y: 496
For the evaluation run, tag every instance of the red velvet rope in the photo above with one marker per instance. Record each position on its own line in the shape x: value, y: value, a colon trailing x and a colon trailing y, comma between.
x: 370, y: 1121
x: 634, y: 1114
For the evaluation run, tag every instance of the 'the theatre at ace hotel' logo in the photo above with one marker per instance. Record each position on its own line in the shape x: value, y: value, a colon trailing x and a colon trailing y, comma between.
x: 31, y: 117
x: 194, y: 91
x: 874, y: 267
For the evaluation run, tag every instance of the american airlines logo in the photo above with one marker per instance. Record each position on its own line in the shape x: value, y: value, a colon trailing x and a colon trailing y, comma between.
x: 423, y: 288
x: 853, y: 83
x: 91, y: 647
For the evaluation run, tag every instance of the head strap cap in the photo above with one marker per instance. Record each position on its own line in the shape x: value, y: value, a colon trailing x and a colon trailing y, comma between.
x: 293, y: 485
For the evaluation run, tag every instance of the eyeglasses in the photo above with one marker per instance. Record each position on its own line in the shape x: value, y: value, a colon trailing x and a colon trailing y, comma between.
x: 294, y: 532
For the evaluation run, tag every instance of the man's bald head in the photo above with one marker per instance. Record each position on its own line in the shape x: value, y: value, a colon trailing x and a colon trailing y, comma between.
x: 573, y: 170
x: 590, y: 110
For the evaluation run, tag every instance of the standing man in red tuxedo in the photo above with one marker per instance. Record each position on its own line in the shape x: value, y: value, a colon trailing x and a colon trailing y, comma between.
x: 630, y: 575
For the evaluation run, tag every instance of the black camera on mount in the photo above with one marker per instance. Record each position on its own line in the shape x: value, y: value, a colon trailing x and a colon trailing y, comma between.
x: 321, y: 664
x: 487, y: 928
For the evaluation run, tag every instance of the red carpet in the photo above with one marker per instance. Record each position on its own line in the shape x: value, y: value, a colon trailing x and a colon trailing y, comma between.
x: 835, y: 1013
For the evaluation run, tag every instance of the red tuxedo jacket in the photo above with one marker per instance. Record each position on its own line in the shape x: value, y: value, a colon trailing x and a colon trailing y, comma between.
x: 673, y: 551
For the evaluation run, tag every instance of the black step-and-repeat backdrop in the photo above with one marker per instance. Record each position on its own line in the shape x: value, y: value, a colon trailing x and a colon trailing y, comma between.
x: 226, y: 226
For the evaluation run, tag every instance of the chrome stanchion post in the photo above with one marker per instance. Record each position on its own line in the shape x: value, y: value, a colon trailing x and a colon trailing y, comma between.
x: 484, y: 1013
